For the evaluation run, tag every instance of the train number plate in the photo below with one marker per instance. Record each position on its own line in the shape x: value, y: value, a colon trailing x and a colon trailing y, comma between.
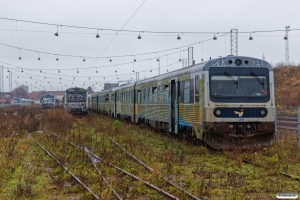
x: 240, y: 119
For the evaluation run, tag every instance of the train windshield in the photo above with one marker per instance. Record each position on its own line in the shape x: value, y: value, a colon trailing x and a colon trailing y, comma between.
x: 76, y: 96
x: 17, y: 100
x: 48, y: 100
x: 239, y: 85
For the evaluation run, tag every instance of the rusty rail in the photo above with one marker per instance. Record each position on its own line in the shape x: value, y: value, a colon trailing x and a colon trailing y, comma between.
x: 85, y: 149
x: 98, y: 170
x: 104, y: 178
x: 65, y: 168
x: 150, y: 169
x: 131, y: 175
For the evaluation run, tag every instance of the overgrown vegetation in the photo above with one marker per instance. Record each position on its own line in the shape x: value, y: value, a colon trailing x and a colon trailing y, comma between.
x: 28, y: 173
x: 287, y: 87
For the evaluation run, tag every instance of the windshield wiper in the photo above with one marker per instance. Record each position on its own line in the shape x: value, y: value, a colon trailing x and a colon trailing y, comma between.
x: 230, y: 76
x: 258, y: 79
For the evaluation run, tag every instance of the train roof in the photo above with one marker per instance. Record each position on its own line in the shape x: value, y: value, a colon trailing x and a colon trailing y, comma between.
x: 76, y: 89
x: 237, y: 61
x: 48, y: 95
x: 123, y: 86
x: 228, y: 61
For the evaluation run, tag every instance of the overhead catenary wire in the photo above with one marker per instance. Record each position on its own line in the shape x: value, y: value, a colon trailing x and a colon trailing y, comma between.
x: 142, y: 31
x: 103, y: 66
x: 121, y: 76
x: 114, y: 56
x: 115, y: 37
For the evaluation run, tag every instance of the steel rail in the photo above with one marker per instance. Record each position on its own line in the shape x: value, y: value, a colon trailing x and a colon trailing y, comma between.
x: 65, y: 168
x: 150, y: 169
x: 104, y: 178
x: 282, y: 173
x: 129, y: 174
x: 85, y: 149
x: 98, y: 170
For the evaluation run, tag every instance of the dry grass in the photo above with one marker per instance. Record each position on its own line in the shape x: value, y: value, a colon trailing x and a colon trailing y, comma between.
x: 28, y: 173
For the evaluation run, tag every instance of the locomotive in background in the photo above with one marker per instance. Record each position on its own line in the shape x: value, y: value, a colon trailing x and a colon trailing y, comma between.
x: 226, y: 102
x: 75, y: 100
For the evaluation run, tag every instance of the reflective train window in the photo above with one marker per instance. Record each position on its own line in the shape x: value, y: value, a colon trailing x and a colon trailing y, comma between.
x: 197, y: 88
x: 186, y: 92
x: 139, y: 96
x: 239, y: 86
x: 148, y: 95
x: 142, y: 95
x: 166, y: 94
x: 192, y: 91
x: 154, y: 95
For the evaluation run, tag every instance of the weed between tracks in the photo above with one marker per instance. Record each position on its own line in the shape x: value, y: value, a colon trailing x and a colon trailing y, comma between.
x: 28, y: 173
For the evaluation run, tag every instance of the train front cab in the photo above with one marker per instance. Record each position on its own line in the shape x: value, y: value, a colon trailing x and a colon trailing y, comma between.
x: 242, y: 114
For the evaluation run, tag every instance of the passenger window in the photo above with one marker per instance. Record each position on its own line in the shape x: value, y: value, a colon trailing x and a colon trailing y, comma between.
x: 145, y: 94
x: 197, y: 88
x: 192, y: 91
x: 166, y: 94
x: 139, y: 96
x: 181, y: 91
x: 186, y: 91
x: 154, y: 92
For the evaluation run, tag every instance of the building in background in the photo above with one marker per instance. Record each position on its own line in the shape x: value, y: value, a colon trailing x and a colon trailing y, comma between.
x: 37, y: 95
x: 110, y: 85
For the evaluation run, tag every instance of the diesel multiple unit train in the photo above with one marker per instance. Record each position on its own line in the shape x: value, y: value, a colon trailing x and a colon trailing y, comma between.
x: 226, y: 102
x: 75, y: 100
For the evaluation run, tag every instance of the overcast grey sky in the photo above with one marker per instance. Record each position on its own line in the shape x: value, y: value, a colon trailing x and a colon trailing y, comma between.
x: 154, y: 15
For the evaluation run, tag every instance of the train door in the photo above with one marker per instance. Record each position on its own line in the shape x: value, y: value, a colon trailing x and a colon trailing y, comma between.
x: 173, y: 106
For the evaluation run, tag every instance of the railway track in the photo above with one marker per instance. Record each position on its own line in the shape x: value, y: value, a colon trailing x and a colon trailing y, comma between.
x: 94, y: 159
x: 287, y: 121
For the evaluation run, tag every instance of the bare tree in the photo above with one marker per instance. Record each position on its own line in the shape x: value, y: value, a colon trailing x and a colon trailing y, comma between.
x: 20, y: 93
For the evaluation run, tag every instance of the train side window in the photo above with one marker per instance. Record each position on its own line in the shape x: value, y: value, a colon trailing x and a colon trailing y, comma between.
x: 142, y: 95
x: 181, y: 91
x: 192, y: 91
x: 186, y: 92
x: 166, y: 94
x: 154, y: 95
x: 197, y: 88
x: 162, y: 94
x: 139, y: 96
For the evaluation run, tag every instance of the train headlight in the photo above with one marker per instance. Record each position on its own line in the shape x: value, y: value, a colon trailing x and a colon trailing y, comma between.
x: 218, y: 112
x: 263, y: 112
x: 238, y: 62
x: 248, y: 126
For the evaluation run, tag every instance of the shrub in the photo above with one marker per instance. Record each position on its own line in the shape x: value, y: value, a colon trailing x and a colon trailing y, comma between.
x: 116, y: 126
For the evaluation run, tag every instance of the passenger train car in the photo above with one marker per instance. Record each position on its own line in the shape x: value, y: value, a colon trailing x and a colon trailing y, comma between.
x: 75, y: 100
x: 22, y: 102
x: 226, y: 102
